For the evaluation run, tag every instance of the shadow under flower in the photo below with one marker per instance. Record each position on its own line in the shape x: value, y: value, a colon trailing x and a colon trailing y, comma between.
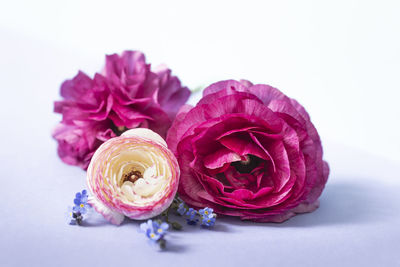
x: 95, y: 220
x: 357, y: 201
x: 218, y: 227
x: 175, y: 248
x: 90, y: 223
x: 344, y: 201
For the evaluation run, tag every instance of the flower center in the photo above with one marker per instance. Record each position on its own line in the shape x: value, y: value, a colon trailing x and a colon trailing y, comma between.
x: 118, y: 130
x: 131, y: 176
x: 247, y: 165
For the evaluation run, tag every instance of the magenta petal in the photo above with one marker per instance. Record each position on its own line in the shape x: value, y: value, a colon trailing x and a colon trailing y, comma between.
x: 245, y: 194
x: 245, y: 129
x: 130, y: 113
x: 172, y: 95
x: 220, y: 157
x: 77, y: 87
x: 242, y: 146
x: 172, y: 105
x: 127, y: 94
x: 237, y: 119
x: 228, y: 84
x: 235, y: 179
x: 183, y: 125
x: 267, y: 93
x: 208, y: 98
x: 282, y: 174
x: 75, y: 144
x: 256, y: 141
x: 242, y: 194
x: 246, y: 83
x: 130, y: 63
x: 177, y: 128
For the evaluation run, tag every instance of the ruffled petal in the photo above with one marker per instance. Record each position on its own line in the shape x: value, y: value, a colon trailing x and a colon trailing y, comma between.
x: 110, y: 215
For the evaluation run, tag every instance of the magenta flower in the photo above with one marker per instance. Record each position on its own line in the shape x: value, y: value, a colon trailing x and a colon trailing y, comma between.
x: 77, y: 143
x: 85, y: 125
x: 248, y: 151
x: 128, y: 94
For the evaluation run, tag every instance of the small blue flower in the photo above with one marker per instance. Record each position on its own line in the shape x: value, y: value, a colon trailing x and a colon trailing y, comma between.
x: 81, y: 202
x: 207, y: 217
x: 155, y: 232
x: 191, y: 216
x: 208, y: 221
x: 206, y: 212
x: 80, y: 210
x: 73, y: 217
x: 81, y: 196
x: 181, y: 209
x: 161, y: 229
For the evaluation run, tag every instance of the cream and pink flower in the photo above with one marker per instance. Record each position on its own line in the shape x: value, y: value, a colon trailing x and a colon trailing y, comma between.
x: 133, y: 175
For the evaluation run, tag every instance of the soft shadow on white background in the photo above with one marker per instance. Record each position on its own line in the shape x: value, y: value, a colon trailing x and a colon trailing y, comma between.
x: 340, y: 59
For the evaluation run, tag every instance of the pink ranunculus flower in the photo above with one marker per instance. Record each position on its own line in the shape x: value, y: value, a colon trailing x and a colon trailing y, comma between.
x: 77, y: 143
x: 85, y: 124
x: 248, y: 151
x: 133, y: 175
x: 128, y: 94
x: 142, y: 98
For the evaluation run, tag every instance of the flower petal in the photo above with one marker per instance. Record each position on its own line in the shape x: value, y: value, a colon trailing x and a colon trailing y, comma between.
x: 220, y: 157
x: 110, y: 215
x: 146, y: 134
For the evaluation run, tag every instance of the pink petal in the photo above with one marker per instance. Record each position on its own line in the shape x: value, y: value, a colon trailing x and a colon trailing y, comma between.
x: 220, y: 157
x: 110, y: 215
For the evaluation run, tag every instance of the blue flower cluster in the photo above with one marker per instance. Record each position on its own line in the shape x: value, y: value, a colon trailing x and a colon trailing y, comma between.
x: 155, y: 232
x: 207, y: 215
x: 81, y: 208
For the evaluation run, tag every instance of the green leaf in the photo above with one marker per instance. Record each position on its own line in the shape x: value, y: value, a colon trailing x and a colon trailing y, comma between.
x: 176, y: 226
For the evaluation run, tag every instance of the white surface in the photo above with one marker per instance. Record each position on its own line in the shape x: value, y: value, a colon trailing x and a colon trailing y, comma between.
x: 340, y: 59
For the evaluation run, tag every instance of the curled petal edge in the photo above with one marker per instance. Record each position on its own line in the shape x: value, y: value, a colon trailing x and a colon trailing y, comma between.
x: 146, y: 134
x: 110, y: 215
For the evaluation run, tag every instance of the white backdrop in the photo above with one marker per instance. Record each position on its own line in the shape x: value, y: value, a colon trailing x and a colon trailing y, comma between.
x: 340, y: 59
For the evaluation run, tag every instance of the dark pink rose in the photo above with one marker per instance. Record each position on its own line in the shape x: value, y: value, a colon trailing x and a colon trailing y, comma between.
x: 85, y: 124
x: 128, y: 94
x: 77, y: 143
x: 248, y: 151
x: 142, y: 98
x: 84, y: 99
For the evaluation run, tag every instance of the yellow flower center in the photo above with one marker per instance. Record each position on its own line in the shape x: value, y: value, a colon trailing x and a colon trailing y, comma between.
x: 159, y: 230
x: 81, y: 205
x: 206, y: 212
x: 152, y: 235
